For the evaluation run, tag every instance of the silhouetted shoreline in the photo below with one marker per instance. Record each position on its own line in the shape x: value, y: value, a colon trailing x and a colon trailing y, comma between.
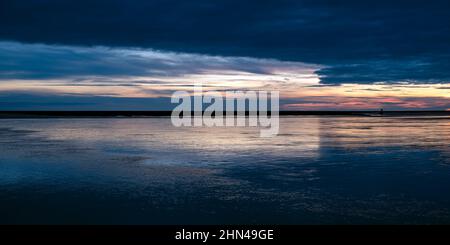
x: 132, y: 114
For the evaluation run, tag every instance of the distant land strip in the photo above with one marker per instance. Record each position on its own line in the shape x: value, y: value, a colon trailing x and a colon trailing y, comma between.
x: 131, y: 114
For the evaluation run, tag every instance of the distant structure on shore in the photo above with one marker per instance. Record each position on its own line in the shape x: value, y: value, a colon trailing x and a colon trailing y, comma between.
x: 381, y: 111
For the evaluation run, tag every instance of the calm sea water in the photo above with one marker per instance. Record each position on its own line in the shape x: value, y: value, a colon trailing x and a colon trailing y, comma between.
x: 319, y: 170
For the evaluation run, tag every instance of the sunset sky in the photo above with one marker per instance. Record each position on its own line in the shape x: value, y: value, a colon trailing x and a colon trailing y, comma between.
x: 132, y: 55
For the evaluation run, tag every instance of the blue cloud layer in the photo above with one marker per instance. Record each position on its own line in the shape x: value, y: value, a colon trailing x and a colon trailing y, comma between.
x: 40, y: 61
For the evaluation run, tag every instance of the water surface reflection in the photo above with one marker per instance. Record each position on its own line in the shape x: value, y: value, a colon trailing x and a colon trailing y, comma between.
x: 318, y: 170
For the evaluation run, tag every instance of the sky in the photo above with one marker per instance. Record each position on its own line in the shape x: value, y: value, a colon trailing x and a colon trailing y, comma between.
x: 132, y: 55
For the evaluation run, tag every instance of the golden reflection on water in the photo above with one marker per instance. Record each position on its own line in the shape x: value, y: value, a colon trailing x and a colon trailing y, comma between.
x: 298, y: 136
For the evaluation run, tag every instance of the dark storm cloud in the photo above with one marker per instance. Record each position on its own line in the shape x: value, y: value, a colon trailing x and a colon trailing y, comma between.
x: 42, y: 101
x: 412, y: 71
x: 360, y: 41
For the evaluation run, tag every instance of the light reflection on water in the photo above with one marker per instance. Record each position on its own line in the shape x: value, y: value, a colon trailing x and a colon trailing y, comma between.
x: 318, y: 170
